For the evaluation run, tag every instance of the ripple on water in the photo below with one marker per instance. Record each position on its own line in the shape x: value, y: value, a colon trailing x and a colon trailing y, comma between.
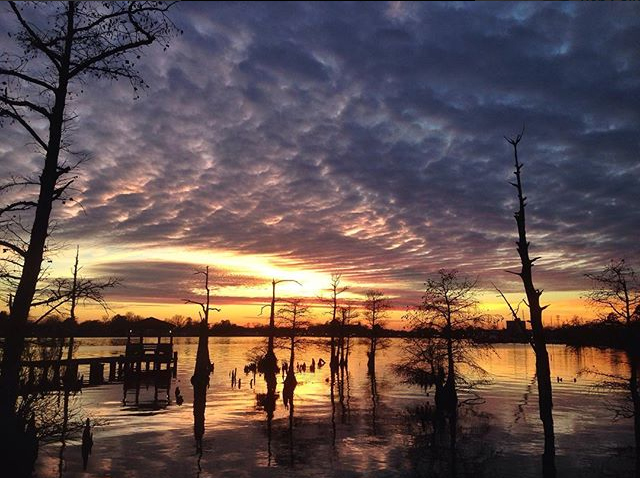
x: 352, y: 431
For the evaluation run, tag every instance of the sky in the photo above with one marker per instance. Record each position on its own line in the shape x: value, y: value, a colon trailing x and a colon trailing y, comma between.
x: 294, y: 140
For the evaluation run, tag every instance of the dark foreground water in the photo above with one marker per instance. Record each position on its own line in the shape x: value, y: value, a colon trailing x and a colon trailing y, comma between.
x: 357, y: 427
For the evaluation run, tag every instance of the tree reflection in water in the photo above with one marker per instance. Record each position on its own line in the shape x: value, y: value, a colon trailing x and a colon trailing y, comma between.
x: 267, y: 401
x: 200, y: 382
x: 375, y: 399
x: 375, y: 433
x: 449, y: 446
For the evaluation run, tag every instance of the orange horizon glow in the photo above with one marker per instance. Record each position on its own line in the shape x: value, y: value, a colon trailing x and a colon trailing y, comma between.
x: 242, y: 304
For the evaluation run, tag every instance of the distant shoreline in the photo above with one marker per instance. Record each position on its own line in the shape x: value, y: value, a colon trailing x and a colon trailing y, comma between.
x: 604, y: 334
x: 492, y: 338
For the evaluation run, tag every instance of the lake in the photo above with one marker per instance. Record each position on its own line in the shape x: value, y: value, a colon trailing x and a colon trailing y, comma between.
x: 355, y: 427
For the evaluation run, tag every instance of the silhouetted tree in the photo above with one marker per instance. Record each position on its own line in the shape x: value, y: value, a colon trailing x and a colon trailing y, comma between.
x: 62, y: 45
x: 61, y: 292
x: 269, y: 363
x: 292, y: 316
x: 203, y: 367
x: 439, y: 344
x: 347, y: 314
x: 178, y: 321
x: 616, y: 291
x: 543, y: 372
x: 375, y: 313
x: 336, y: 289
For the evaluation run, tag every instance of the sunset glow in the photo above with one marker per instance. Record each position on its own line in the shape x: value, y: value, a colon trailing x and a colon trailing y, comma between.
x: 268, y: 239
x: 276, y: 152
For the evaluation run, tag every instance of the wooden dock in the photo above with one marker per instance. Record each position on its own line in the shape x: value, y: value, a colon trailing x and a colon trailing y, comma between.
x: 144, y: 364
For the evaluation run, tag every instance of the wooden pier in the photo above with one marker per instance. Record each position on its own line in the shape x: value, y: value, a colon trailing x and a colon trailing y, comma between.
x: 144, y: 364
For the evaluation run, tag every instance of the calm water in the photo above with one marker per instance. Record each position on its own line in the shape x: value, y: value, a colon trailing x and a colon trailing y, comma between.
x: 361, y: 429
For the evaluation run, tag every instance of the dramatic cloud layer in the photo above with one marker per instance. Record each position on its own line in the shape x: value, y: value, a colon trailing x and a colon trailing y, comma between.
x: 368, y: 138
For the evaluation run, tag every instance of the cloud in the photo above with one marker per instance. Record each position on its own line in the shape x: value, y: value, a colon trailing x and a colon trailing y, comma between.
x: 369, y: 139
x: 148, y: 281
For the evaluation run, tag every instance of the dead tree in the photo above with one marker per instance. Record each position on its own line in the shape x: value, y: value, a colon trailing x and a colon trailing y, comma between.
x: 61, y: 49
x: 375, y: 313
x: 616, y: 290
x: 337, y: 343
x: 61, y: 292
x: 72, y: 292
x: 269, y: 363
x: 203, y: 367
x: 543, y: 372
x: 292, y: 316
x: 347, y: 314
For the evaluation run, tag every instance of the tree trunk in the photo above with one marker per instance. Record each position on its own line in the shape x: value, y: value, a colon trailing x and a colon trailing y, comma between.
x: 543, y: 371
x: 449, y: 395
x: 19, y: 314
x: 371, y: 362
x: 269, y: 363
x: 74, y: 289
x: 200, y: 382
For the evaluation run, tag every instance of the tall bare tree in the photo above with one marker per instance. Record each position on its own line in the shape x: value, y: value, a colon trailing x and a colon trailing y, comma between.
x: 203, y: 367
x: 61, y: 292
x: 292, y: 316
x: 60, y: 46
x: 539, y: 344
x: 269, y: 363
x: 375, y: 314
x: 336, y: 289
x: 616, y: 291
x: 347, y: 314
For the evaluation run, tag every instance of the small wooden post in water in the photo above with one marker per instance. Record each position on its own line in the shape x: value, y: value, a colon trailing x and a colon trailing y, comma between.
x: 96, y: 373
x: 175, y: 364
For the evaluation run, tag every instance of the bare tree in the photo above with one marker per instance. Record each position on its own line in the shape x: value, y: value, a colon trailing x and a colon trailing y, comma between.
x: 203, y: 367
x: 269, y: 363
x: 539, y: 344
x: 441, y: 340
x: 292, y: 316
x: 336, y: 343
x: 375, y: 314
x: 347, y: 314
x: 616, y: 290
x: 62, y: 292
x: 178, y: 321
x: 61, y: 45
x: 335, y: 289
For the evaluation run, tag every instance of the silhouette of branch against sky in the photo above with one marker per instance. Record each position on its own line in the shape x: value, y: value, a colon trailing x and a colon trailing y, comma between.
x: 357, y: 138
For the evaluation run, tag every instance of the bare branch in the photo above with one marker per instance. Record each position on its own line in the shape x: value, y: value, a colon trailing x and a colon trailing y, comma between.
x: 13, y: 247
x: 27, y: 78
x: 36, y: 40
x: 17, y: 117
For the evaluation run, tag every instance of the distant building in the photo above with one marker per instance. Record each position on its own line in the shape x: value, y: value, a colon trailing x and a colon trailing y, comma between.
x: 516, y: 327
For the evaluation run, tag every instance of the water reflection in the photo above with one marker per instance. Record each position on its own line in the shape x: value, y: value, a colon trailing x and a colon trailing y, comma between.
x: 200, y: 382
x: 374, y: 400
x: 352, y: 423
x: 449, y: 446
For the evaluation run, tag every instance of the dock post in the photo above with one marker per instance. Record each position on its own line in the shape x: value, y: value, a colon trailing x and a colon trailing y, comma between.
x: 175, y: 364
x: 96, y: 373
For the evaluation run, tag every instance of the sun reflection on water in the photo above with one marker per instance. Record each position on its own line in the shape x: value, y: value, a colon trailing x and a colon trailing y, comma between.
x: 350, y: 431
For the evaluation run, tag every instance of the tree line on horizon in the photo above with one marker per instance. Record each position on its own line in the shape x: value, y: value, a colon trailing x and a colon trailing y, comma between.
x: 605, y: 331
